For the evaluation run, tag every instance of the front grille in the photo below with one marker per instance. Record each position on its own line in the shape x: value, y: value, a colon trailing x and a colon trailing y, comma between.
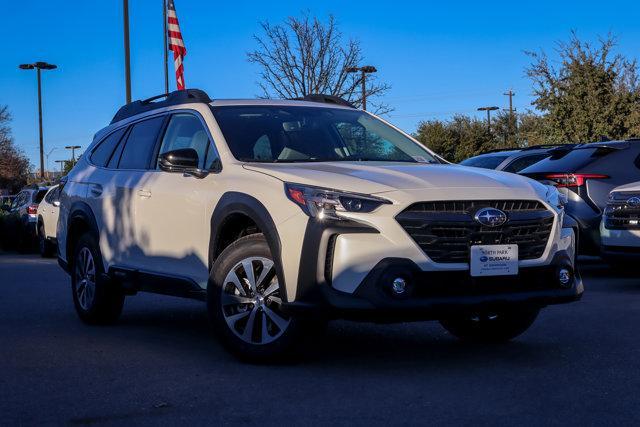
x: 445, y: 230
x: 619, y: 215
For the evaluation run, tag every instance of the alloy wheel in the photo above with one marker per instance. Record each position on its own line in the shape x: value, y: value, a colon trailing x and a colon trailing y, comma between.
x: 85, y: 278
x: 251, y: 301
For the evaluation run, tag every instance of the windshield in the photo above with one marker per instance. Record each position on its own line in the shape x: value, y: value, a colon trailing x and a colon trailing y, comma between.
x: 272, y: 133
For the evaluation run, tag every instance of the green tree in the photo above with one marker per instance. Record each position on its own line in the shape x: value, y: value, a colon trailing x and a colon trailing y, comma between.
x: 456, y: 139
x: 14, y: 165
x: 591, y: 92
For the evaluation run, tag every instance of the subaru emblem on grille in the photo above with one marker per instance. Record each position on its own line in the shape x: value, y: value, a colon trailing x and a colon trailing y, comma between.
x: 490, y: 217
x: 634, y: 202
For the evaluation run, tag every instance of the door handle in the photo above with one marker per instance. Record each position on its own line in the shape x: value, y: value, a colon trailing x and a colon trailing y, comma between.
x: 144, y: 193
x: 95, y: 190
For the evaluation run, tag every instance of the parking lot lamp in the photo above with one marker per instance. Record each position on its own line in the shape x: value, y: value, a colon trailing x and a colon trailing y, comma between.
x: 39, y: 66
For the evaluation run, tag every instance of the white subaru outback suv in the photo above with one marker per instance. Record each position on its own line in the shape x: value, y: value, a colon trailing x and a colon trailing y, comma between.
x: 284, y: 213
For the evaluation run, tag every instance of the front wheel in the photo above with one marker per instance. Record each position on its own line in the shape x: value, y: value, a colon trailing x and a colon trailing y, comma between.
x: 244, y: 301
x: 492, y: 326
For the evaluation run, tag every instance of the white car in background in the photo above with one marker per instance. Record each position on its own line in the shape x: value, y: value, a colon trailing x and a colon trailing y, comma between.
x: 620, y: 226
x: 48, y: 211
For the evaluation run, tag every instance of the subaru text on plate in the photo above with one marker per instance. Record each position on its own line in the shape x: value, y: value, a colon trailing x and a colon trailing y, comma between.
x: 282, y: 214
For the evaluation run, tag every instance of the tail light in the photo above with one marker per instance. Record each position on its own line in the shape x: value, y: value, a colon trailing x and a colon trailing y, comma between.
x: 32, y: 210
x: 573, y: 179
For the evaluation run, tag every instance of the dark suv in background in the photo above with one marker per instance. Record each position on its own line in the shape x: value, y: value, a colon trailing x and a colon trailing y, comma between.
x: 586, y: 173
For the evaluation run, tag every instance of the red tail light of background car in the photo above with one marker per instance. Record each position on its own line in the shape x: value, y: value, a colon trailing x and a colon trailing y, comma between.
x: 573, y: 179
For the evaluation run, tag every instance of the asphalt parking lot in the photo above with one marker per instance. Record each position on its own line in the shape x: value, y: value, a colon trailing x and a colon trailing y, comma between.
x: 579, y: 364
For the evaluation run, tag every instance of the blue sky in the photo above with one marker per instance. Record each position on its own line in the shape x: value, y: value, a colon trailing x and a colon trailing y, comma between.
x: 441, y: 58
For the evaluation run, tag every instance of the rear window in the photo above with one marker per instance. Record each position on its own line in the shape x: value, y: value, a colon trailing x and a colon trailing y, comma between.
x: 570, y: 161
x: 486, y: 162
x: 524, y: 162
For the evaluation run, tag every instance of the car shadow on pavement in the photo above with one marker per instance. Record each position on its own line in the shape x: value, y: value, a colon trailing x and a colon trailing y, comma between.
x: 344, y: 345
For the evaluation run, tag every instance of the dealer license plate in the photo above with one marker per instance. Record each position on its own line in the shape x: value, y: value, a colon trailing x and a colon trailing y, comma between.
x: 494, y: 260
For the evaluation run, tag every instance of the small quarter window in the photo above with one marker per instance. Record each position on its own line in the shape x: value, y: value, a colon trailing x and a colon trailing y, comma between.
x: 102, y: 153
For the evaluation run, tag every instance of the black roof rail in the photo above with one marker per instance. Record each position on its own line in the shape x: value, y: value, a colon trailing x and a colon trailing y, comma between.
x: 173, y: 98
x: 326, y: 99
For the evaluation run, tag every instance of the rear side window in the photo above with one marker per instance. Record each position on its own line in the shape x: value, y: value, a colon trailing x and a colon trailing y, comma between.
x: 140, y: 144
x: 102, y: 153
x: 524, y: 162
x: 486, y: 162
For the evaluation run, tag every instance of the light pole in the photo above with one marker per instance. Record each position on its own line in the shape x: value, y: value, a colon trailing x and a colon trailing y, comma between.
x: 366, y: 69
x: 39, y: 66
x: 73, y: 149
x: 62, y: 162
x: 488, y: 110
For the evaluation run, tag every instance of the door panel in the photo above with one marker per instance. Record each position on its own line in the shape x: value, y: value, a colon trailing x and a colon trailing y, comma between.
x: 172, y: 225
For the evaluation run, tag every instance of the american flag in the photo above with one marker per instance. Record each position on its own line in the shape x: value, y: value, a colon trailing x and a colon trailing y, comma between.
x: 176, y: 44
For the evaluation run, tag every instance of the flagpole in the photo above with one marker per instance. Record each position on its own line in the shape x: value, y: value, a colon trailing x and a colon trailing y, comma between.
x: 127, y: 61
x: 165, y: 48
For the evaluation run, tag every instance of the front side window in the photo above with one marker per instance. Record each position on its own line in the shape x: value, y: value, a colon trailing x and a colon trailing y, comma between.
x: 187, y: 131
x: 138, y: 148
x: 271, y: 133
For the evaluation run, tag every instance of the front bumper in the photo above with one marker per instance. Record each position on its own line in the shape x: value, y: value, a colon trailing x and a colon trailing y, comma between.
x: 434, y: 293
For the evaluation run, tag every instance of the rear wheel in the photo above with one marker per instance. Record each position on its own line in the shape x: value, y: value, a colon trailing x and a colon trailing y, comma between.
x: 97, y: 300
x: 245, y: 303
x: 45, y: 247
x: 492, y: 326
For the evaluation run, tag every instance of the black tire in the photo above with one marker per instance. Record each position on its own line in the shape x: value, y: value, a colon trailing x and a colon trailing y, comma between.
x: 45, y: 247
x: 104, y: 304
x: 256, y: 348
x: 494, y: 326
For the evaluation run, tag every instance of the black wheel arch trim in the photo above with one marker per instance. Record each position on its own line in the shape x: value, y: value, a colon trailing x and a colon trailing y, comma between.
x: 233, y: 202
x: 80, y: 211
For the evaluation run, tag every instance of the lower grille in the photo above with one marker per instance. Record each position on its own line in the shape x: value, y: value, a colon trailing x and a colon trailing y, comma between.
x: 620, y: 215
x: 446, y: 230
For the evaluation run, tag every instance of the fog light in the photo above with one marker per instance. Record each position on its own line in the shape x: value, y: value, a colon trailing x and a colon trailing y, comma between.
x: 399, y: 286
x: 564, y: 276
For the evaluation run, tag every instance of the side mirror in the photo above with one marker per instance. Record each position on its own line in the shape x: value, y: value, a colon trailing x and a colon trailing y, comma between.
x: 56, y: 203
x: 184, y: 160
x: 179, y: 160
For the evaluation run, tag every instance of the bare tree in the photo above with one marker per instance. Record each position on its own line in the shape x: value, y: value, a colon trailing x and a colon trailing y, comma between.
x: 14, y: 165
x: 305, y: 56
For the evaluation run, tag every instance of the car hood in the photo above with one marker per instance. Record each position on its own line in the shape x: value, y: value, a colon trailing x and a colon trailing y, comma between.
x: 380, y: 177
x: 634, y: 186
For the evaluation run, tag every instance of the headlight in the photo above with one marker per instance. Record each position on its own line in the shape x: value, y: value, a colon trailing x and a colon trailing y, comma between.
x: 555, y: 198
x: 324, y: 203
